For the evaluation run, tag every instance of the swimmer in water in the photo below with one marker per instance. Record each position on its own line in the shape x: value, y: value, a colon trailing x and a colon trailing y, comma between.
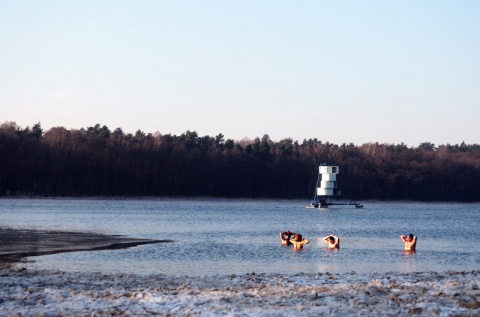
x: 410, y: 242
x: 286, y: 237
x: 333, y: 241
x: 299, y: 241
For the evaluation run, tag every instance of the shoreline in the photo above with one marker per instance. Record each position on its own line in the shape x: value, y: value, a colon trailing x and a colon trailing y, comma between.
x: 40, y: 292
x: 51, y: 292
x: 17, y: 244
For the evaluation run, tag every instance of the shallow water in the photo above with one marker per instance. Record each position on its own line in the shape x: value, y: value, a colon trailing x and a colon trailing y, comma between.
x: 242, y: 236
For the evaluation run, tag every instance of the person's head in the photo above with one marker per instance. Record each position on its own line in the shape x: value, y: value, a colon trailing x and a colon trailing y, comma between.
x: 288, y: 233
x: 298, y: 237
x: 410, y: 237
x: 331, y: 239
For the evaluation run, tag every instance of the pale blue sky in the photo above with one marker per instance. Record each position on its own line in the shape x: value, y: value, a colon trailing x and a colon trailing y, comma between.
x: 339, y: 71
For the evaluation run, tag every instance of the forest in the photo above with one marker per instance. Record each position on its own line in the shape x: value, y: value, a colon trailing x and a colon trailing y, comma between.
x: 98, y: 162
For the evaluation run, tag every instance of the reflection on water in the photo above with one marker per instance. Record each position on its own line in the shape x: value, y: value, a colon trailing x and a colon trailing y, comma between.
x: 331, y: 263
x: 242, y: 236
x: 408, y: 263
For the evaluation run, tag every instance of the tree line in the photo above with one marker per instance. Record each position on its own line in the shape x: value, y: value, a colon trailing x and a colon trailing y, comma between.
x: 96, y: 161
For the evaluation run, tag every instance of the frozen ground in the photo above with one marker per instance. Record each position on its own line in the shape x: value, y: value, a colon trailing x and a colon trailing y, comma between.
x: 54, y: 293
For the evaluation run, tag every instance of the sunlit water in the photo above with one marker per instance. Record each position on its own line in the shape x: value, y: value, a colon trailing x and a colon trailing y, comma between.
x: 242, y: 236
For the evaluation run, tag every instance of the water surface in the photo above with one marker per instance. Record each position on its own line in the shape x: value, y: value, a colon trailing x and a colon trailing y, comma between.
x: 242, y: 236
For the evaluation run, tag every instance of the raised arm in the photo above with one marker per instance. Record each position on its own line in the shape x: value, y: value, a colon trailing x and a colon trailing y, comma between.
x: 405, y: 238
x: 285, y: 236
x: 333, y: 241
x: 327, y: 238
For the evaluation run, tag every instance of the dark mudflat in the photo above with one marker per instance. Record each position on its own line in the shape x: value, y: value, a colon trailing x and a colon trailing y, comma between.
x: 19, y: 243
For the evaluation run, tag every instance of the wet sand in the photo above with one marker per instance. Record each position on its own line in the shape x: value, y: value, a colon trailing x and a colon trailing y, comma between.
x: 17, y: 244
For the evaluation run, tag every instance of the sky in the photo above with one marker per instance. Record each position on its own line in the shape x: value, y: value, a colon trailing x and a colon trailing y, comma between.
x: 339, y: 71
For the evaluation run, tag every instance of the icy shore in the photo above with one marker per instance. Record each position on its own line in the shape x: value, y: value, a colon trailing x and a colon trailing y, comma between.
x: 55, y: 293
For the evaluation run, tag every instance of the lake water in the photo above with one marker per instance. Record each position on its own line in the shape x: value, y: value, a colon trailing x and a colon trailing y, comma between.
x: 214, y: 236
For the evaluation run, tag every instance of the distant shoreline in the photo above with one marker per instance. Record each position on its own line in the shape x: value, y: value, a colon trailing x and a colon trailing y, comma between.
x: 301, y: 201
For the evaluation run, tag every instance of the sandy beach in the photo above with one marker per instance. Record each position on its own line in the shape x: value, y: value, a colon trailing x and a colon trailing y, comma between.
x: 54, y: 293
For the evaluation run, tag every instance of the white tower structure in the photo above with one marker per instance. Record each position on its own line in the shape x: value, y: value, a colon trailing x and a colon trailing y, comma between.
x: 326, y: 187
x: 328, y: 183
